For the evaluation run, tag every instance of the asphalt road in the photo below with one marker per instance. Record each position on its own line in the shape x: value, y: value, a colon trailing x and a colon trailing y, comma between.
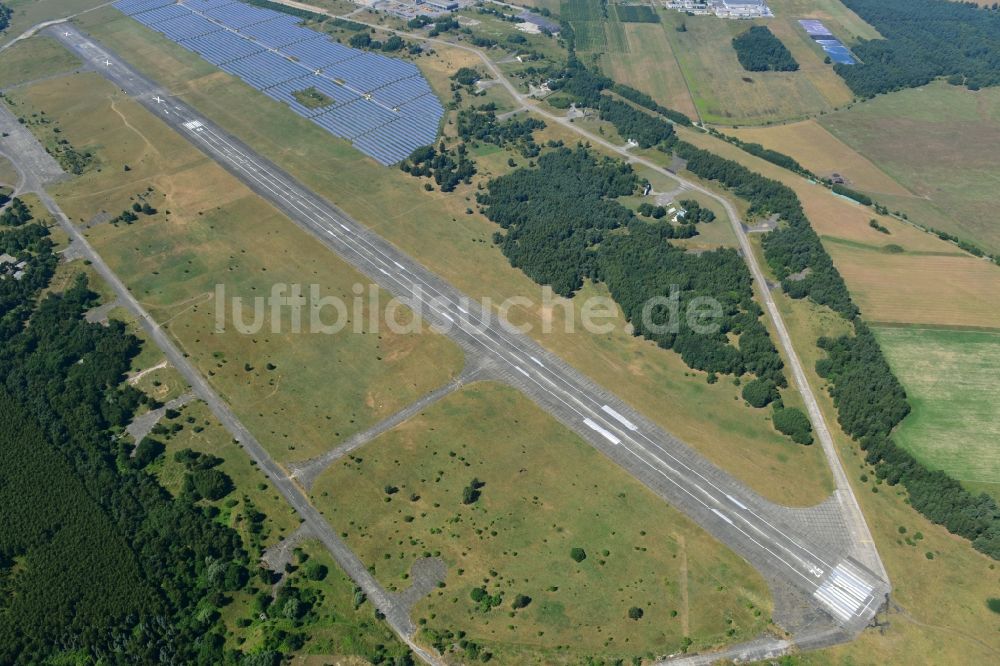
x: 863, y: 545
x: 27, y: 155
x: 819, y: 568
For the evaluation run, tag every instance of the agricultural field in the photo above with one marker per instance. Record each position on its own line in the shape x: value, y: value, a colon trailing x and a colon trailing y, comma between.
x: 824, y: 154
x: 950, y: 378
x: 290, y: 388
x: 938, y: 605
x: 436, y: 229
x: 929, y: 282
x: 541, y: 493
x: 844, y: 23
x: 696, y: 70
x: 940, y: 142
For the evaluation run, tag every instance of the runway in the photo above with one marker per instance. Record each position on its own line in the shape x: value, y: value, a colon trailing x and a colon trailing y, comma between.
x: 815, y: 566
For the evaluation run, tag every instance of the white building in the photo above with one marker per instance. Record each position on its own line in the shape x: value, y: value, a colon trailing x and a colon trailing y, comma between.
x: 733, y: 9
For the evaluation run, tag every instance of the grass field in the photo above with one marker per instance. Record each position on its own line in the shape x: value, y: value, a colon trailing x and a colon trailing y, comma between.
x: 844, y: 23
x: 318, y: 388
x: 545, y: 492
x: 931, y: 282
x: 27, y: 13
x: 8, y: 174
x: 434, y: 228
x: 824, y: 154
x: 35, y: 58
x: 951, y: 380
x: 938, y: 612
x: 701, y: 63
x: 940, y: 142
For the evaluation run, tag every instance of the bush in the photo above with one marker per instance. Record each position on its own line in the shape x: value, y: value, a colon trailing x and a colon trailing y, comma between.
x: 520, y: 601
x: 760, y: 392
x: 792, y: 422
x: 146, y: 452
x: 316, y: 571
x: 635, y: 613
x: 578, y: 554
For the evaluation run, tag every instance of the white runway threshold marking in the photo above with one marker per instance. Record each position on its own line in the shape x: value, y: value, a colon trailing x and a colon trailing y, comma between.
x: 722, y: 515
x: 618, y: 417
x: 604, y: 433
x: 193, y: 124
x: 845, y: 592
x: 737, y: 502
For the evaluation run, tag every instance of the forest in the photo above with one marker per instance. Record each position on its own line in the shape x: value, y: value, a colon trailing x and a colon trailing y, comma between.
x: 869, y: 399
x: 633, y: 124
x: 870, y: 404
x: 481, y: 124
x: 563, y: 225
x: 758, y: 50
x: 924, y: 40
x: 4, y: 17
x: 793, y: 251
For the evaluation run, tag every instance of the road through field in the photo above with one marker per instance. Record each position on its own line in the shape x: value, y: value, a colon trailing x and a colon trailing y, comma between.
x: 818, y: 568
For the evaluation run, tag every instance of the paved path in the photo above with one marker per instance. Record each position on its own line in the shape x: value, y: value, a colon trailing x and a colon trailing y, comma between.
x: 306, y: 471
x: 864, y: 545
x: 793, y: 563
x: 142, y: 425
x: 395, y: 614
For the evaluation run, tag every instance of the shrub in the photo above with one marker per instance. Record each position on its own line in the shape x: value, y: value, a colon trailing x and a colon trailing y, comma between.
x: 578, y: 554
x: 635, y: 613
x: 760, y: 392
x: 792, y: 422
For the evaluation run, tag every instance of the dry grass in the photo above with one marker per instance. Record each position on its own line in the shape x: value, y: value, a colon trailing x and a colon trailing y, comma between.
x: 318, y: 388
x: 545, y: 492
x: 659, y: 75
x: 844, y: 23
x: 921, y: 289
x: 932, y: 282
x: 434, y: 228
x: 941, y: 143
x: 33, y: 59
x: 938, y: 607
x: 823, y: 154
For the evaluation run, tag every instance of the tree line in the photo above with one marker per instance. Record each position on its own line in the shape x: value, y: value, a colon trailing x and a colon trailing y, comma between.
x: 794, y: 251
x: 758, y: 50
x: 5, y: 13
x: 924, y: 40
x: 870, y: 404
x: 481, y: 124
x: 562, y: 224
x: 869, y: 399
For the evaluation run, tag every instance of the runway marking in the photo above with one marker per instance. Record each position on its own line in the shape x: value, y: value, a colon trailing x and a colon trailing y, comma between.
x: 618, y: 417
x: 463, y: 309
x: 844, y: 592
x: 537, y: 362
x: 737, y: 502
x: 722, y: 515
x: 384, y: 272
x: 606, y: 434
x: 522, y: 370
x: 399, y: 265
x: 447, y: 316
x: 344, y: 227
x: 291, y: 195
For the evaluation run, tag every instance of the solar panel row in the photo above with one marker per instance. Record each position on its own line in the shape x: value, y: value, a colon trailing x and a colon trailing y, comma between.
x: 383, y: 105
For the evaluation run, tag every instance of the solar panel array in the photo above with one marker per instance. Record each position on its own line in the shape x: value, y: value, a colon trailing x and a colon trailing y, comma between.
x: 383, y: 105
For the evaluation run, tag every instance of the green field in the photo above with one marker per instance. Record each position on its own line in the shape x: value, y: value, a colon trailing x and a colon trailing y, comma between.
x: 941, y: 142
x: 951, y: 380
x: 544, y: 493
x: 35, y: 58
x: 696, y: 70
x: 435, y: 228
x: 299, y: 392
x: 28, y: 13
